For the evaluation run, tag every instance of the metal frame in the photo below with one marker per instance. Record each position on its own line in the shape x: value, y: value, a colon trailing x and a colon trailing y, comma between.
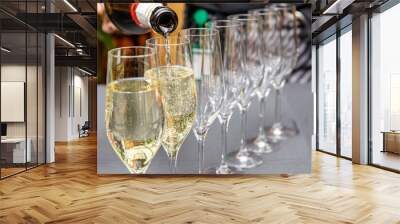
x: 45, y: 91
x: 37, y: 90
x: 0, y: 91
x: 369, y: 78
x: 338, y: 98
x: 26, y: 89
x: 316, y: 98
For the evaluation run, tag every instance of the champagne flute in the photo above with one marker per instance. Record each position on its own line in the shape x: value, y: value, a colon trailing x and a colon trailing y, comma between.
x: 271, y: 58
x: 209, y: 76
x: 282, y: 129
x: 230, y: 32
x: 175, y: 77
x: 252, y: 75
x: 134, y: 113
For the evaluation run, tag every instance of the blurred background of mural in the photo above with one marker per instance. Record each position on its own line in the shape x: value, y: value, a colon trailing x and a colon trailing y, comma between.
x: 196, y: 15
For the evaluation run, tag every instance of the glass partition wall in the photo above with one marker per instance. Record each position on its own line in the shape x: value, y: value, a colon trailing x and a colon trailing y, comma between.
x: 385, y: 89
x: 22, y: 77
x: 345, y: 90
x: 334, y: 94
x: 327, y: 96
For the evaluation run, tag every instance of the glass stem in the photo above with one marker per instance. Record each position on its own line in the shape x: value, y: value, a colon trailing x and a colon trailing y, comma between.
x: 200, y: 150
x: 172, y: 164
x: 278, y: 105
x: 243, y: 124
x: 224, y: 142
x: 261, y: 130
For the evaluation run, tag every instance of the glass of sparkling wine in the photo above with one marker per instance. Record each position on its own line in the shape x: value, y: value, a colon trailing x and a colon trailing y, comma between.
x: 134, y: 111
x: 176, y: 83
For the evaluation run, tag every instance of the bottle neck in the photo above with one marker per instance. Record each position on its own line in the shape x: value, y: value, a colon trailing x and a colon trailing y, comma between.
x: 163, y: 20
x: 133, y: 13
x: 141, y: 13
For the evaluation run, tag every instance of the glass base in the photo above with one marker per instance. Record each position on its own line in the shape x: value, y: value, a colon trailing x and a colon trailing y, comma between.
x: 279, y: 132
x: 244, y: 160
x: 259, y: 145
x: 223, y: 170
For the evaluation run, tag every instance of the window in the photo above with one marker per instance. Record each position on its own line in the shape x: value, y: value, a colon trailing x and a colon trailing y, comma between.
x: 385, y: 89
x: 346, y: 92
x: 327, y: 96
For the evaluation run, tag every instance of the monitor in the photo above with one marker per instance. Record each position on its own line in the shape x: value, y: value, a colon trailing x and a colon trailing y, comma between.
x: 3, y: 129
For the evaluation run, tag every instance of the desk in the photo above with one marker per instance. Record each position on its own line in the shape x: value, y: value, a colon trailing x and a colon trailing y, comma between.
x: 16, y: 147
x: 391, y: 141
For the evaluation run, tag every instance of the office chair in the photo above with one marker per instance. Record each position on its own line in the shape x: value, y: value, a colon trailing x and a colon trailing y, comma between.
x: 84, y: 130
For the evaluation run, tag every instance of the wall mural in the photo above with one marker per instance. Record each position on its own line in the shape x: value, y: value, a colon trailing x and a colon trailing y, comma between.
x: 195, y: 90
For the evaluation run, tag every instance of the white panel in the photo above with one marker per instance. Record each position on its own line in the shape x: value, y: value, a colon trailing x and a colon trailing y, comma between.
x: 50, y: 93
x: 77, y: 102
x: 19, y: 155
x: 76, y: 119
x: 12, y: 101
x: 360, y: 90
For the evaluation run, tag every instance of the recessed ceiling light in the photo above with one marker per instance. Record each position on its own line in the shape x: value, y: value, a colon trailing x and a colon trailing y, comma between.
x: 337, y: 7
x: 70, y: 5
x: 5, y: 49
x: 64, y: 40
x: 84, y: 71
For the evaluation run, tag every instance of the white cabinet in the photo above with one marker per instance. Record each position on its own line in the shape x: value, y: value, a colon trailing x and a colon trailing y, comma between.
x: 18, y: 149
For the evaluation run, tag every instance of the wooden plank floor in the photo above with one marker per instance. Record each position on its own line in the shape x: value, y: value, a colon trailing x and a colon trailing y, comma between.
x: 69, y: 191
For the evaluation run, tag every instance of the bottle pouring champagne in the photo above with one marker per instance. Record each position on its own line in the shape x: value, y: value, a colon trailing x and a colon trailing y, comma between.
x: 174, y: 78
x: 140, y: 18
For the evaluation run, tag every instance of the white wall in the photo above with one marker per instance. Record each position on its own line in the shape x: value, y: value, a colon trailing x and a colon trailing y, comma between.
x: 71, y: 93
x: 12, y: 73
x: 16, y: 73
x: 62, y: 82
x: 82, y: 82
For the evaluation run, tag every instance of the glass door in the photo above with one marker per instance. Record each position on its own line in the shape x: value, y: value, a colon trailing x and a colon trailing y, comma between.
x: 346, y: 92
x: 14, y: 153
x: 22, y: 78
x: 326, y: 87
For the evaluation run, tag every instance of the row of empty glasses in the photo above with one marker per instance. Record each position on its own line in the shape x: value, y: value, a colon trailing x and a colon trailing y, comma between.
x: 158, y: 93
